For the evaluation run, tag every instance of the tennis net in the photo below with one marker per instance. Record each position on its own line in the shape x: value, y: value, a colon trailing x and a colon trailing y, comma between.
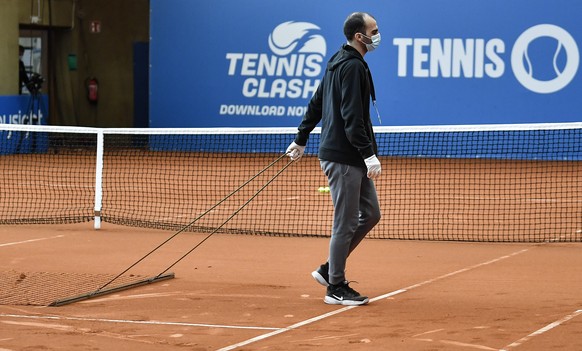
x: 494, y: 183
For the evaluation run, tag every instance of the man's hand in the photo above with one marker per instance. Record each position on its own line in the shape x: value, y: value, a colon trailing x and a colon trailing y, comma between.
x: 374, y: 168
x: 295, y: 151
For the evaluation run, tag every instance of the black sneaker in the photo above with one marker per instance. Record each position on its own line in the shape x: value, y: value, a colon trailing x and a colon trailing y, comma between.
x: 321, y: 275
x: 342, y: 294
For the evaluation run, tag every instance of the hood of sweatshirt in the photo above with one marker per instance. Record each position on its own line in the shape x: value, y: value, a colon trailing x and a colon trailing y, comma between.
x: 346, y: 53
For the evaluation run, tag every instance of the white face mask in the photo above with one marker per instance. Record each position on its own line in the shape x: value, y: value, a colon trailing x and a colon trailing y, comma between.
x: 375, y: 42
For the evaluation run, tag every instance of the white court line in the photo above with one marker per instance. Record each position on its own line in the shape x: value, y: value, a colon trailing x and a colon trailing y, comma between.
x: 418, y: 285
x: 385, y: 296
x: 466, y: 345
x: 542, y: 330
x: 30, y: 241
x: 125, y: 321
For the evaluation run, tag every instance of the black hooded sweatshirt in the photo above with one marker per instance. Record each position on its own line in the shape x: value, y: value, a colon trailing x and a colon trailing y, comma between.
x: 342, y: 104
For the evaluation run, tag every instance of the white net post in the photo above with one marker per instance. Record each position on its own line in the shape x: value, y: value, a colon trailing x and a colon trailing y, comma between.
x: 99, y: 180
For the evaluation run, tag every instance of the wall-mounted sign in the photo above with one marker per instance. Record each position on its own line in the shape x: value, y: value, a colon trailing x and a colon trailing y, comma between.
x: 95, y: 27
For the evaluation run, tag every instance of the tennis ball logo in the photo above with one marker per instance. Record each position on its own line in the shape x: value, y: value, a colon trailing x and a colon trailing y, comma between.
x: 560, y: 65
x: 545, y: 59
x: 295, y: 36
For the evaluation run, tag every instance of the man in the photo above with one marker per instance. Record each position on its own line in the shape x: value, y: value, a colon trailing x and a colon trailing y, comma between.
x: 347, y: 152
x: 22, y: 75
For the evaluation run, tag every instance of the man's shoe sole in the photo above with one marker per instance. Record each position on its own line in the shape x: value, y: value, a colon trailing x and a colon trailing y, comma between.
x: 319, y: 278
x: 331, y: 301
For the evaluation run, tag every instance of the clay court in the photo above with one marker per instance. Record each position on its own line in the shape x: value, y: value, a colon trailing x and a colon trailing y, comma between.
x: 470, y: 254
x: 255, y: 292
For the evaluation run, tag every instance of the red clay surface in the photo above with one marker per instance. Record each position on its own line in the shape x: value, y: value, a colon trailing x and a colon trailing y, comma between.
x: 256, y: 293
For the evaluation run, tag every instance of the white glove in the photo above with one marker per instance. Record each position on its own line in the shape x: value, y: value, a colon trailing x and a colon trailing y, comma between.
x: 295, y: 151
x: 374, y: 168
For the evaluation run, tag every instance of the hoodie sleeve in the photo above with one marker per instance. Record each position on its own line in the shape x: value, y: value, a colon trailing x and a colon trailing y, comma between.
x: 312, y: 116
x: 354, y: 86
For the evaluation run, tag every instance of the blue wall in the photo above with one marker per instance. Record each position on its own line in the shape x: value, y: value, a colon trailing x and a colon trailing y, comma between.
x: 19, y: 109
x: 16, y: 109
x: 222, y: 62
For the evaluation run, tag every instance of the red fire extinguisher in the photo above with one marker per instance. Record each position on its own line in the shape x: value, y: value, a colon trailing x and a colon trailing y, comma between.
x: 93, y: 90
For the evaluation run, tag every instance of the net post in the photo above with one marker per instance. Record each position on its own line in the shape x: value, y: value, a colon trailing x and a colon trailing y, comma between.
x: 99, y: 180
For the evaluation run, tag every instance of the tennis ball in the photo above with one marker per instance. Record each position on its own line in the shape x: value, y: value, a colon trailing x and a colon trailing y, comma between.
x: 321, y: 189
x: 326, y: 189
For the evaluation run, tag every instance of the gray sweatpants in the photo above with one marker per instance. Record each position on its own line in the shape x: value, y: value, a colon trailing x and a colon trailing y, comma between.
x: 356, y: 212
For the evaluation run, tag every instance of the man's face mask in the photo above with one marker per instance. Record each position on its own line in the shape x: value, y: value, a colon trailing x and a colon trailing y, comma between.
x: 375, y: 42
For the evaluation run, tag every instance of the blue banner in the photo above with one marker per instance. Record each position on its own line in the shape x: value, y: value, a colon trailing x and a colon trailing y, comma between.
x: 23, y: 109
x: 256, y: 63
